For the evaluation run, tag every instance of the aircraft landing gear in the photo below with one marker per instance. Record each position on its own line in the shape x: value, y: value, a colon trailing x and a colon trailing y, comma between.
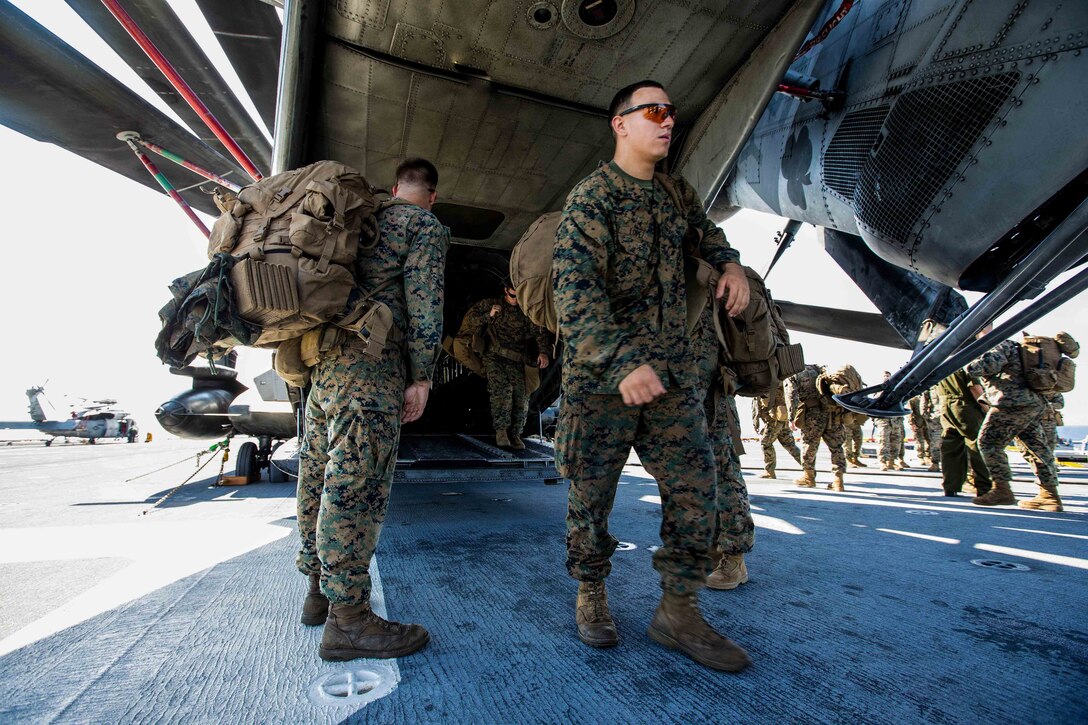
x: 254, y: 457
x: 48, y: 442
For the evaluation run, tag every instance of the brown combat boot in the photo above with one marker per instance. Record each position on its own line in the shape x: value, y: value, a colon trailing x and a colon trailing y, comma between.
x: 768, y: 474
x: 1047, y: 500
x: 516, y: 442
x: 836, y: 485
x: 857, y: 462
x: 502, y: 440
x: 315, y: 607
x: 807, y: 480
x: 353, y: 631
x: 729, y: 573
x: 679, y: 625
x: 1000, y: 495
x: 595, y: 625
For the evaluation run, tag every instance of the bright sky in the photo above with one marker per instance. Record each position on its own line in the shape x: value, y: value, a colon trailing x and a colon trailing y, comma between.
x: 90, y: 255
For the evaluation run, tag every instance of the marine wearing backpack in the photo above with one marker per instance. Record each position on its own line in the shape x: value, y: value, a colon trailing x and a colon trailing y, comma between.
x: 756, y: 348
x: 293, y: 239
x: 1047, y: 362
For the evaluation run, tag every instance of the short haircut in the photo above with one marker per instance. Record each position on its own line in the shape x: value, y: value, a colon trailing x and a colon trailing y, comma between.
x: 622, y: 99
x: 417, y: 172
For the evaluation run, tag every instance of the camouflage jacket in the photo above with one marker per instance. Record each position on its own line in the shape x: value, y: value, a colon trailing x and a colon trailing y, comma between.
x: 1002, y: 377
x: 411, y: 247
x: 510, y: 329
x: 618, y: 279
x: 764, y: 405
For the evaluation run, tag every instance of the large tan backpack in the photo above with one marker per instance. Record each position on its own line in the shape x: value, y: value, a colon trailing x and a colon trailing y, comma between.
x: 296, y: 236
x: 1047, y: 364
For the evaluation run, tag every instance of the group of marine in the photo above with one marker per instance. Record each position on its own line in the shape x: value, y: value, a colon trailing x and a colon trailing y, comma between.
x: 634, y: 376
x: 961, y: 427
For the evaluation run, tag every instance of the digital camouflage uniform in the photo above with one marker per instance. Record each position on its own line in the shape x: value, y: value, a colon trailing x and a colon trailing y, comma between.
x: 919, y: 429
x: 892, y: 432
x: 852, y: 424
x: 619, y: 292
x: 1016, y: 411
x: 961, y: 418
x: 354, y: 407
x: 772, y: 430
x: 931, y: 412
x: 818, y: 418
x: 734, y: 529
x: 1051, y: 419
x: 513, y: 343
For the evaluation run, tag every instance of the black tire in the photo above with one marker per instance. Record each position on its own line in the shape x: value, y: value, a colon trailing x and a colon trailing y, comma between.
x: 48, y: 442
x: 277, y: 474
x: 246, y: 465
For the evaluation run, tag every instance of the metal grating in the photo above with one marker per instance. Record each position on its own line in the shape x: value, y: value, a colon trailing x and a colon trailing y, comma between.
x: 929, y: 131
x: 849, y: 148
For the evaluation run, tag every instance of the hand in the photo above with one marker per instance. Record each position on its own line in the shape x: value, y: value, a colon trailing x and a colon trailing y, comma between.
x: 735, y: 281
x: 641, y: 386
x: 495, y: 309
x: 415, y: 400
x: 542, y: 361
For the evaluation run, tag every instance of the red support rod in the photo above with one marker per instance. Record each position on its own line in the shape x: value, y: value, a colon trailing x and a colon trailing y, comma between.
x: 167, y: 187
x: 182, y: 87
x: 171, y: 156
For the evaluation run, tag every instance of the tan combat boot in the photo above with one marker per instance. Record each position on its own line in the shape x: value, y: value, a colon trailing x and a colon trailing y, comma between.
x: 679, y: 625
x: 729, y: 573
x: 859, y: 464
x: 516, y: 442
x: 836, y: 485
x: 502, y: 440
x: 935, y: 467
x: 769, y: 473
x: 901, y: 465
x: 353, y: 631
x: 886, y: 467
x: 1047, y: 500
x: 315, y: 607
x: 595, y: 625
x: 807, y: 480
x: 1000, y: 495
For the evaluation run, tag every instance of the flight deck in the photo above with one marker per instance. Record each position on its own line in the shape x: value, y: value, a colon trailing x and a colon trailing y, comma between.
x: 135, y: 601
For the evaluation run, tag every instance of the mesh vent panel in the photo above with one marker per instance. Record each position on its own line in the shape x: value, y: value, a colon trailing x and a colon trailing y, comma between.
x: 929, y: 132
x: 849, y: 148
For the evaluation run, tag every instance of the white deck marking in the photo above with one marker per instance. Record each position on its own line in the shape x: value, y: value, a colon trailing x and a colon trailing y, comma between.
x: 1070, y: 561
x: 926, y: 537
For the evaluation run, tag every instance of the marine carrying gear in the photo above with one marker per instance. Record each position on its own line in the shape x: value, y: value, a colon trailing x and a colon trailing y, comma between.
x: 288, y: 244
x: 1047, y: 362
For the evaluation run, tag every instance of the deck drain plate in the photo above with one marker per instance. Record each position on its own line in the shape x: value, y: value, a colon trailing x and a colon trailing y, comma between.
x: 1002, y: 565
x: 356, y: 686
x: 922, y: 512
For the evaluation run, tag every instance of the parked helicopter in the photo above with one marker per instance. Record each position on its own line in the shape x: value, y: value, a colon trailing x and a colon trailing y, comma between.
x: 94, y: 420
x: 906, y: 129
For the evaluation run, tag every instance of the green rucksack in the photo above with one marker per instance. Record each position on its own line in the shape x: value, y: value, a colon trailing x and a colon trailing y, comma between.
x: 1047, y: 362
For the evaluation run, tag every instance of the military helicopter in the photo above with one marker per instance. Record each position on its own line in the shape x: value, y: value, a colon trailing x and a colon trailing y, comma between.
x: 906, y: 129
x: 93, y: 420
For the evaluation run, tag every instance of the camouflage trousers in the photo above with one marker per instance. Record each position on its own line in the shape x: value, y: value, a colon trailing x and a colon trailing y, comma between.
x: 933, y: 427
x: 777, y: 430
x: 734, y: 528
x: 506, y: 387
x: 817, y: 424
x: 892, y: 432
x: 999, y: 428
x: 346, y: 465
x: 920, y: 431
x: 594, y: 436
x: 855, y: 438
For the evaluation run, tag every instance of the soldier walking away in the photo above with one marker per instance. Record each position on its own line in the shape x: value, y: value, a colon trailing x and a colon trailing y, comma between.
x: 734, y: 528
x: 1016, y: 411
x: 772, y: 421
x: 853, y: 425
x: 920, y: 430
x: 892, y: 432
x: 961, y: 418
x: 819, y: 417
x: 512, y: 343
x: 353, y: 417
x: 630, y: 378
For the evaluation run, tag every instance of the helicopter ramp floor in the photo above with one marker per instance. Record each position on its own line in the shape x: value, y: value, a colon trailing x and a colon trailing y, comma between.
x: 888, y: 603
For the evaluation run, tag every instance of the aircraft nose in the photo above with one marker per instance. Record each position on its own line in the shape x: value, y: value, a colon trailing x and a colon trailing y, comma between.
x: 172, y: 414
